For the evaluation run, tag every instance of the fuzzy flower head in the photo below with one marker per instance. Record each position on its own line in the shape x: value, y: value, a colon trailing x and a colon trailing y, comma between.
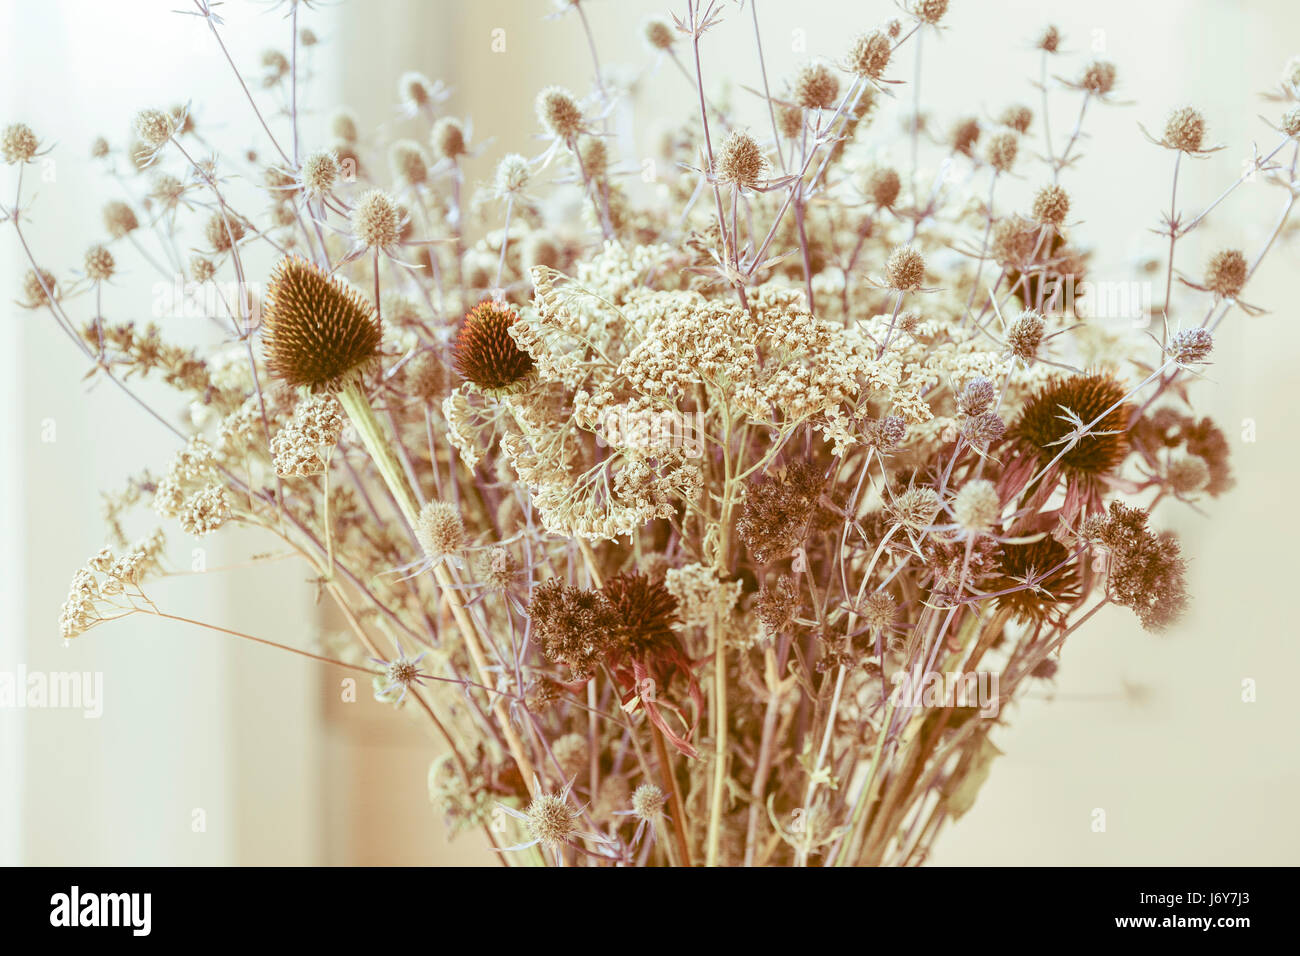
x: 559, y: 113
x: 408, y: 162
x: 870, y: 54
x: 883, y: 186
x: 448, y: 138
x: 486, y: 354
x: 377, y: 220
x: 976, y: 506
x: 1226, y: 273
x: 439, y: 530
x: 1291, y: 122
x: 648, y: 802
x: 317, y: 331
x: 119, y: 219
x: 740, y: 161
x: 1049, y: 40
x: 99, y: 263
x: 18, y: 143
x: 1001, y: 151
x: 929, y: 11
x: 1098, y: 77
x: 1025, y: 335
x: 38, y: 286
x: 1185, y: 130
x: 1191, y: 346
x: 154, y: 127
x: 659, y: 34
x: 816, y: 87
x: 512, y: 175
x: 1051, y: 205
x: 1018, y: 117
x: 977, y: 397
x: 905, y: 270
x: 320, y: 172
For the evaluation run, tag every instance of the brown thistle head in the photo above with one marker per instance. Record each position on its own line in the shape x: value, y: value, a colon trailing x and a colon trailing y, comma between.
x: 317, y: 332
x: 486, y: 354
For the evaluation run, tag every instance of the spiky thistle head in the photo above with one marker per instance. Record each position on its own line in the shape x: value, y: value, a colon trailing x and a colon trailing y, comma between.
x: 317, y: 331
x: 644, y: 611
x: 485, y: 352
x: 1048, y: 419
x: 1039, y: 578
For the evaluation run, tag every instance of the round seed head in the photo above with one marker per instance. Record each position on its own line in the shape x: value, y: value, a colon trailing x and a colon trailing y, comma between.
x: 789, y: 120
x: 1185, y: 129
x: 1098, y: 77
x: 916, y: 507
x: 486, y: 353
x: 99, y: 263
x: 1026, y: 335
x: 878, y: 611
x: 1051, y: 205
x: 512, y: 175
x: 35, y: 284
x: 977, y: 397
x: 816, y: 87
x: 202, y: 268
x: 1013, y: 240
x: 929, y: 11
x: 439, y: 529
x: 1187, y: 474
x: 883, y: 186
x: 570, y: 753
x: 426, y: 376
x: 965, y: 135
x: 559, y: 112
x: 377, y: 220
x: 741, y: 162
x: 317, y: 331
x: 550, y: 819
x: 154, y: 127
x: 222, y: 232
x: 408, y: 162
x: 320, y: 171
x: 98, y: 148
x: 976, y: 506
x: 448, y: 138
x: 415, y: 90
x: 659, y: 34
x: 1291, y: 123
x: 870, y: 54
x: 119, y: 218
x: 905, y: 270
x: 648, y: 802
x: 18, y: 143
x: 1191, y: 346
x: 1226, y: 273
x: 1049, y: 39
x: 1002, y: 151
x: 343, y: 124
x: 984, y: 429
x: 1018, y: 117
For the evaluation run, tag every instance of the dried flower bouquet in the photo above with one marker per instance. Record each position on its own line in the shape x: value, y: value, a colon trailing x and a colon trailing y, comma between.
x: 714, y: 528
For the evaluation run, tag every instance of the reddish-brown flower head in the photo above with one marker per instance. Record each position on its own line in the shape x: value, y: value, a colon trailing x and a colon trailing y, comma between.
x: 485, y: 352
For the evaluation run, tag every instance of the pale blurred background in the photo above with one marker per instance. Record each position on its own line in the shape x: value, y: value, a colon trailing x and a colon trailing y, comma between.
x: 1152, y: 730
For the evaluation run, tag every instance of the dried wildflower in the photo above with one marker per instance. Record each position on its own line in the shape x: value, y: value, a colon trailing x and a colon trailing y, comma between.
x: 38, y: 287
x: 1051, y: 205
x: 99, y: 263
x: 1185, y: 130
x: 497, y: 569
x: 1291, y: 122
x: 905, y: 270
x: 98, y: 148
x: 1025, y: 335
x: 18, y: 143
x: 883, y: 186
x: 1187, y: 474
x: 1049, y: 40
x: 559, y: 113
x: 928, y: 11
x: 119, y: 219
x: 701, y: 593
x: 572, y: 625
x: 154, y: 127
x: 878, y: 612
x: 317, y: 331
x: 816, y: 87
x: 377, y: 220
x: 976, y: 506
x: 1146, y: 571
x: 983, y: 429
x: 1018, y: 117
x: 1002, y: 150
x: 320, y: 172
x: 1098, y: 77
x: 642, y: 613
x: 205, y: 511
x: 426, y: 377
x: 418, y: 93
x: 1041, y: 579
x: 399, y: 675
x: 1190, y: 346
x: 1012, y: 241
x: 448, y: 138
x: 659, y: 34
x: 777, y: 605
x: 408, y: 163
x: 870, y: 54
x: 275, y: 67
x: 789, y: 121
x: 512, y: 176
x: 202, y: 269
x: 486, y: 353
x: 302, y: 448
x: 916, y: 507
x: 977, y: 397
x: 740, y: 161
x: 777, y: 510
x: 965, y: 134
x: 343, y: 124
x: 550, y: 819
x: 1226, y: 273
x: 885, y: 433
x: 570, y: 752
x: 222, y: 232
x: 439, y: 530
x: 648, y: 802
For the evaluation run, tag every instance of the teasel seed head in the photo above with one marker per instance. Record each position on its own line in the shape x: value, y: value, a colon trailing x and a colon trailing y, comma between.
x: 1051, y: 205
x: 1185, y: 130
x: 1018, y: 117
x: 559, y: 113
x: 816, y: 87
x: 870, y: 54
x: 1098, y: 77
x: 1025, y: 335
x: 648, y: 802
x: 905, y: 270
x: 883, y: 186
x: 1002, y: 150
x: 1191, y: 346
x: 659, y: 34
x: 1226, y: 273
x: 18, y: 143
x: 439, y: 530
x: 377, y: 220
x: 977, y: 397
x: 99, y: 263
x: 976, y: 506
x: 317, y: 331
x: 550, y: 819
x: 740, y: 161
x: 119, y: 218
x: 486, y: 354
x: 448, y: 138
